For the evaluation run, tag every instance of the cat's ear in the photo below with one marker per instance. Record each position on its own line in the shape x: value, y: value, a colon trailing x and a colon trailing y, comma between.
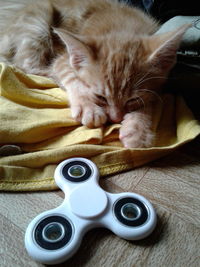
x: 79, y: 54
x: 163, y: 48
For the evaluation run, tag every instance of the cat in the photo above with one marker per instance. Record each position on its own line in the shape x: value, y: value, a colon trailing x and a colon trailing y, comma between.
x: 105, y: 54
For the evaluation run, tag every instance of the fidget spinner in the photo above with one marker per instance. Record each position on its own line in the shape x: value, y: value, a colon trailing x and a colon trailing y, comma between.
x: 55, y: 235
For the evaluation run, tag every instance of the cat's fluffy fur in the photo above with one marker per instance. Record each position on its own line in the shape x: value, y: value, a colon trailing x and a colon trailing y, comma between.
x: 104, y: 53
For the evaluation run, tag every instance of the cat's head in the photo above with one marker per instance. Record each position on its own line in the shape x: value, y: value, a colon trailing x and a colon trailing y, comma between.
x: 122, y: 72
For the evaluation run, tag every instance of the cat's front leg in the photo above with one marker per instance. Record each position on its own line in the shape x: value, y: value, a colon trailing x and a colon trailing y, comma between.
x: 88, y: 113
x: 136, y: 129
x: 81, y: 98
x: 83, y: 107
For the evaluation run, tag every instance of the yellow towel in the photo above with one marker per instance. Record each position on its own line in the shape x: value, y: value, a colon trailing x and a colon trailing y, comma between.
x: 35, y: 116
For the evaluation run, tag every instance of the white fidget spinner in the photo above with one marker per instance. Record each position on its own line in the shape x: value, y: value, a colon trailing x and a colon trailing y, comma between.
x: 55, y: 235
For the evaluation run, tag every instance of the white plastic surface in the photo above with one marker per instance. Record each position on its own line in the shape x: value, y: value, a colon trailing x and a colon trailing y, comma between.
x: 86, y: 206
x: 81, y: 197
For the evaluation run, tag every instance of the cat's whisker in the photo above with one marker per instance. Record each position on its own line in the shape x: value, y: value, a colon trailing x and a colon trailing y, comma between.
x: 138, y: 101
x: 140, y: 98
x: 141, y: 79
x: 154, y: 93
x: 150, y: 78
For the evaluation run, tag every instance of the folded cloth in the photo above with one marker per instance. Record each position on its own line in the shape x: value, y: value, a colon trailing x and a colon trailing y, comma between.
x: 185, y: 76
x: 191, y: 39
x: 36, y: 124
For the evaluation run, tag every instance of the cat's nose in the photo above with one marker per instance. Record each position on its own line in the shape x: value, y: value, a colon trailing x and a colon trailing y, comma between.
x: 116, y: 117
x: 116, y: 120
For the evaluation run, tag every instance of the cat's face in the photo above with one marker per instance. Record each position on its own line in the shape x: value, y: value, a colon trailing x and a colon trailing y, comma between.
x: 123, y: 74
x: 120, y: 84
x: 122, y: 79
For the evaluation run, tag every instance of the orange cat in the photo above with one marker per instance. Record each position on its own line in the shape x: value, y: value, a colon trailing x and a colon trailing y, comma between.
x: 104, y: 53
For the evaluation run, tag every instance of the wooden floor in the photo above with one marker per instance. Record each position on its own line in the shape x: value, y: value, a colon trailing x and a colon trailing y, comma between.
x: 172, y: 184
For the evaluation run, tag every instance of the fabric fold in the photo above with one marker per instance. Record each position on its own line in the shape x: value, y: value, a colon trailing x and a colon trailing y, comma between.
x: 35, y: 116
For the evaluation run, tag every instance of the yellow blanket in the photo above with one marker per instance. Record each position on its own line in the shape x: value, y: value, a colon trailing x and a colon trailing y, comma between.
x: 35, y: 116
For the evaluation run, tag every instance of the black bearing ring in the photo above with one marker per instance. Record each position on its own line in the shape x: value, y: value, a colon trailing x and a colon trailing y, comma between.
x: 44, y: 243
x: 87, y: 174
x: 139, y: 220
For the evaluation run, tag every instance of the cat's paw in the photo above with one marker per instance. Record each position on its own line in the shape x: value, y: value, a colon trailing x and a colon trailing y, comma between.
x: 89, y: 115
x: 136, y: 134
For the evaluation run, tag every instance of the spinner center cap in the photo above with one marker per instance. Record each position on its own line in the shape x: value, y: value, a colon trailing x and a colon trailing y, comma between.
x: 88, y: 201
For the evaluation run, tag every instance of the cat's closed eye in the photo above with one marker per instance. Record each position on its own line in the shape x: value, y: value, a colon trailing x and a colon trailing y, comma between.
x: 101, y: 99
x: 133, y: 104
